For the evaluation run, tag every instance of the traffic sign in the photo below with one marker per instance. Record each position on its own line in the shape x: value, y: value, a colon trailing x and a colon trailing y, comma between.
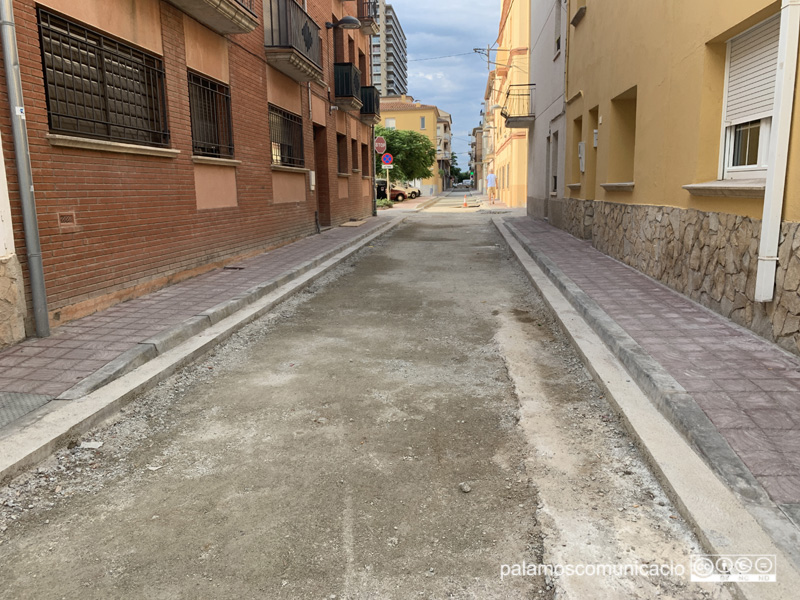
x: 387, y: 159
x: 387, y: 167
x: 380, y: 145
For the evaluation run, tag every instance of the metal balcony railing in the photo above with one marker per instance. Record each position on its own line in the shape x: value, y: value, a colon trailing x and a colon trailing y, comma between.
x: 248, y: 4
x: 371, y: 100
x: 347, y: 81
x: 519, y: 105
x: 367, y: 10
x: 287, y: 25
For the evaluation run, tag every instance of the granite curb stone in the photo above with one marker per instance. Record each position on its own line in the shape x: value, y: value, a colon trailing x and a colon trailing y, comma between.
x: 41, y: 432
x: 169, y: 338
x: 673, y: 402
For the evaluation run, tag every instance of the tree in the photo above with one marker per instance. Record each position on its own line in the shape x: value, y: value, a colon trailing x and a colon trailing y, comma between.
x: 414, y: 154
x: 455, y: 170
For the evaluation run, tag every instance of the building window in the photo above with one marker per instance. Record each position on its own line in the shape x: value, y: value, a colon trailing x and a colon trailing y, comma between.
x: 341, y: 153
x: 98, y: 87
x: 354, y: 153
x: 422, y: 122
x: 286, y: 137
x: 749, y: 95
x: 391, y: 123
x: 210, y: 110
x: 365, y: 166
x: 557, y: 12
x: 554, y: 168
x: 622, y: 151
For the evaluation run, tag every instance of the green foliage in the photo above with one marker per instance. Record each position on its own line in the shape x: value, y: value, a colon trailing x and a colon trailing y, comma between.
x: 455, y: 171
x: 384, y: 202
x: 414, y: 154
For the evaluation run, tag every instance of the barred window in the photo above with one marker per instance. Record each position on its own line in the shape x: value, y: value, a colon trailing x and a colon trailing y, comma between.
x: 98, y: 87
x: 210, y: 109
x: 286, y: 136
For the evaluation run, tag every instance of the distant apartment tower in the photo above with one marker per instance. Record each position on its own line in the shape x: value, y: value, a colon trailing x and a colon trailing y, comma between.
x: 389, y: 54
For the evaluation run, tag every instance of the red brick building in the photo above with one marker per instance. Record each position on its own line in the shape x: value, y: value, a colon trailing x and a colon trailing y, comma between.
x: 170, y: 137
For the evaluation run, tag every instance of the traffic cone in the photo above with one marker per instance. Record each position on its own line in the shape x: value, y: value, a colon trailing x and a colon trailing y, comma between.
x: 465, y: 201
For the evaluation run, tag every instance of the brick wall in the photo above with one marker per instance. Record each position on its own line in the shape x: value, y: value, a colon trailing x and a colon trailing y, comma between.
x: 137, y: 226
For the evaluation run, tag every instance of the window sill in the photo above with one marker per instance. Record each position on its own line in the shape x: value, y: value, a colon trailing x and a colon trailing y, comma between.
x: 68, y: 141
x: 343, y: 174
x: 729, y: 188
x: 356, y: 170
x: 286, y: 169
x: 218, y: 162
x: 626, y: 186
x: 574, y: 186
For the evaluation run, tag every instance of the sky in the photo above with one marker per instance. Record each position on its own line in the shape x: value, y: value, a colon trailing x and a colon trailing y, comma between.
x: 456, y: 85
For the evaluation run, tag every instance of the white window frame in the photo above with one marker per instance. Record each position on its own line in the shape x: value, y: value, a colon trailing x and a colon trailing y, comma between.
x: 422, y: 122
x: 391, y: 123
x: 756, y: 171
x: 726, y: 170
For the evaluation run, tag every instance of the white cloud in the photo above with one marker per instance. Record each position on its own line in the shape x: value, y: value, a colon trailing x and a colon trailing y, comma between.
x: 436, y: 28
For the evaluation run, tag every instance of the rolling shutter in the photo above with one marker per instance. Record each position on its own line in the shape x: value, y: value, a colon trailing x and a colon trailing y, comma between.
x: 752, y: 70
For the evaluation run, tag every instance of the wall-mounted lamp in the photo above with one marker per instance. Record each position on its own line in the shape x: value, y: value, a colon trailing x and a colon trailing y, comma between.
x: 347, y: 22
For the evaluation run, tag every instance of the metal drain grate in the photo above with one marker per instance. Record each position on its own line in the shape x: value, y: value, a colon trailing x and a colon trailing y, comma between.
x: 14, y: 405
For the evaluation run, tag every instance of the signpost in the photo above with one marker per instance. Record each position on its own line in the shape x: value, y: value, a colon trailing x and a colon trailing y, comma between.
x: 387, y: 160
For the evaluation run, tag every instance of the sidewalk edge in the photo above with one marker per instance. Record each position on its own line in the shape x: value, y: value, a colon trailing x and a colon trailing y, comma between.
x: 698, y: 509
x: 172, y: 337
x: 40, y: 433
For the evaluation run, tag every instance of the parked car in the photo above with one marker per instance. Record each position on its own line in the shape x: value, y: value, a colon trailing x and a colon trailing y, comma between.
x: 408, y: 190
x: 399, y: 192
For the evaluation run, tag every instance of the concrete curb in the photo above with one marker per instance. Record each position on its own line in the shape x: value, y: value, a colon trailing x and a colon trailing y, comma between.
x: 168, y: 339
x: 723, y: 514
x: 37, y: 435
x: 669, y: 396
x: 427, y: 204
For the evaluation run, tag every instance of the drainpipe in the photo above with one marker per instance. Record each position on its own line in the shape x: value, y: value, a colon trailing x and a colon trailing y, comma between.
x: 24, y: 173
x: 781, y: 129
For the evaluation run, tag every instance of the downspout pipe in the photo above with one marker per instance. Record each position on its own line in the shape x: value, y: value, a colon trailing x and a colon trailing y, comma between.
x: 24, y: 172
x: 786, y: 79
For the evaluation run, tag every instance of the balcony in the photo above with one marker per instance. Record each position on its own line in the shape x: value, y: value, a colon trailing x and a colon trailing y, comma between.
x: 347, y: 87
x: 292, y: 40
x: 368, y: 15
x: 371, y: 109
x: 223, y: 16
x: 518, y: 110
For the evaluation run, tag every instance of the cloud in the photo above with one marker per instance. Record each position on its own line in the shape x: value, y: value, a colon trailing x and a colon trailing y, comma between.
x: 437, y: 28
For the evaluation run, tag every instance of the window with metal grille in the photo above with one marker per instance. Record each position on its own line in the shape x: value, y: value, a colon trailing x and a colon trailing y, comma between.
x: 210, y: 108
x: 98, y: 87
x: 286, y: 137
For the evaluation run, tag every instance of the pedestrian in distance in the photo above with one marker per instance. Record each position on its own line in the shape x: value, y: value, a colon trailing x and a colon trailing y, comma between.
x: 491, y: 186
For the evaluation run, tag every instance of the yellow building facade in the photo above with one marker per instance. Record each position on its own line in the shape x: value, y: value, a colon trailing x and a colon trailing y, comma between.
x: 509, y: 158
x: 683, y: 150
x: 405, y: 113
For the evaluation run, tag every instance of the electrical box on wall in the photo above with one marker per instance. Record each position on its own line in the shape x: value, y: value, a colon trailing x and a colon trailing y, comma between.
x: 595, y: 138
x: 582, y: 156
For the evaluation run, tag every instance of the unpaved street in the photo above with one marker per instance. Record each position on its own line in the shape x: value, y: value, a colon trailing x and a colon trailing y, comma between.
x: 403, y: 429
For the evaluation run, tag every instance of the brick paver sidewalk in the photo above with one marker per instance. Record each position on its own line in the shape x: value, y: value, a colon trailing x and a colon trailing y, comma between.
x: 35, y: 371
x: 748, y: 387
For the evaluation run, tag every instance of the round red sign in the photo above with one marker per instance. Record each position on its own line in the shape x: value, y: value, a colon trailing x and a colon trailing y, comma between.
x: 380, y: 145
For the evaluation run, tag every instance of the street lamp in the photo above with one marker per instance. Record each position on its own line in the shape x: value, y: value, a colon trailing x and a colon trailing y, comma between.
x: 346, y: 22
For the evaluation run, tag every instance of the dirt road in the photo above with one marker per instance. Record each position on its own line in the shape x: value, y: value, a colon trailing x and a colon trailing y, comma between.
x: 414, y: 426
